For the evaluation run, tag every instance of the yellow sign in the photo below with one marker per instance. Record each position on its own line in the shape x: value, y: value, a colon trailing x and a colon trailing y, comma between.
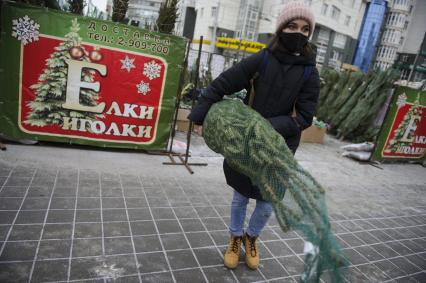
x: 205, y: 41
x: 245, y: 45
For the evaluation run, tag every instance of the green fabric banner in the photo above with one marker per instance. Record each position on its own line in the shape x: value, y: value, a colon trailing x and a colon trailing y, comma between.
x: 75, y: 79
x: 403, y: 133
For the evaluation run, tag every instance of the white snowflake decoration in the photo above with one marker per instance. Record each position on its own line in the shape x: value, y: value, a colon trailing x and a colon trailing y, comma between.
x: 25, y: 30
x: 151, y: 70
x: 143, y: 88
x: 127, y: 63
x: 402, y: 100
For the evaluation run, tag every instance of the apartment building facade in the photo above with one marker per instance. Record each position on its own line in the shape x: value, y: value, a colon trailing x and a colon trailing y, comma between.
x: 411, y: 58
x: 215, y: 18
x: 336, y: 32
x: 398, y: 18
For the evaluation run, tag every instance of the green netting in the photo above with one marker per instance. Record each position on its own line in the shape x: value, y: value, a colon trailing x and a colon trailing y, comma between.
x: 252, y: 147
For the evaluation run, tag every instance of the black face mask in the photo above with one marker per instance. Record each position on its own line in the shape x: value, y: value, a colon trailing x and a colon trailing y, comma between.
x: 293, y: 41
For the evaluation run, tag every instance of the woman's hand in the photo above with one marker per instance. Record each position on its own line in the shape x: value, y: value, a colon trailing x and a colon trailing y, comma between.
x: 199, y: 112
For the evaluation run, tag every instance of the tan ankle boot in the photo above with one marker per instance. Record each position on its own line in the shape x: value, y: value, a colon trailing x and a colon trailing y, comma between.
x: 252, y: 252
x: 232, y: 253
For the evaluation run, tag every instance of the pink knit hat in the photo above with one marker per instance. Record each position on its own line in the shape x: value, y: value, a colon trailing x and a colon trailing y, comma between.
x: 296, y: 10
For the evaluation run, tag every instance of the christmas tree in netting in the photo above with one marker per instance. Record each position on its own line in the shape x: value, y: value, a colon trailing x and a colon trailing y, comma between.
x: 412, y: 117
x: 251, y: 146
x: 46, y: 108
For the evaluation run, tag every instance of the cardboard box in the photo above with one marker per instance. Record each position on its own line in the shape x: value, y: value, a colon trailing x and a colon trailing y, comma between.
x: 313, y: 134
x: 182, y: 114
x: 182, y: 123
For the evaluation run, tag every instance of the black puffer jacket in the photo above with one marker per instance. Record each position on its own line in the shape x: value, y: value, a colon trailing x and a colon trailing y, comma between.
x: 280, y: 86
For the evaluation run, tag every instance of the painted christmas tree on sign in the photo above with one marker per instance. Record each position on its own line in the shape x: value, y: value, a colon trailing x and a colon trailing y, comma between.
x: 48, y: 108
x: 403, y: 134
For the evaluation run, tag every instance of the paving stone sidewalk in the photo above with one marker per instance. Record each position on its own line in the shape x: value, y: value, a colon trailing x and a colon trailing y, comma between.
x: 83, y: 214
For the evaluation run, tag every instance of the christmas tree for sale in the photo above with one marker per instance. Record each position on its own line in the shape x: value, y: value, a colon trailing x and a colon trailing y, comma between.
x: 410, y: 120
x: 167, y: 16
x: 46, y: 109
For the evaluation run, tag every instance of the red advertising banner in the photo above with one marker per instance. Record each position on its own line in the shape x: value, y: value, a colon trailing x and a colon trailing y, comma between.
x: 131, y: 85
x: 403, y: 133
x: 407, y: 137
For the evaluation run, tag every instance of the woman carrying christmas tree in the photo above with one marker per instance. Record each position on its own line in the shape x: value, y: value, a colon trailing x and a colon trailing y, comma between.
x: 284, y: 79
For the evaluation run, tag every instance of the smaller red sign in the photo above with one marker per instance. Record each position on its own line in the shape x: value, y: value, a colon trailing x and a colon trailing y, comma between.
x: 407, y: 137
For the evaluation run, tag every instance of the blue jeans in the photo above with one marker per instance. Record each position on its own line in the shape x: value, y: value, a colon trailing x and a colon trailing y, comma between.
x: 258, y: 219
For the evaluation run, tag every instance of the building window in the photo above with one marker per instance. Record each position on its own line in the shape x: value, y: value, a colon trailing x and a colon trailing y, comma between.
x: 404, y: 74
x: 250, y: 35
x: 335, y: 13
x: 201, y: 12
x: 335, y: 60
x: 324, y: 9
x: 390, y: 19
x: 251, y: 24
x: 323, y: 36
x: 347, y: 20
x: 397, y: 37
x: 336, y: 55
x: 339, y: 40
x: 214, y: 11
x: 385, y: 35
x: 406, y: 25
x: 321, y: 51
x: 417, y: 76
x: 401, y: 20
